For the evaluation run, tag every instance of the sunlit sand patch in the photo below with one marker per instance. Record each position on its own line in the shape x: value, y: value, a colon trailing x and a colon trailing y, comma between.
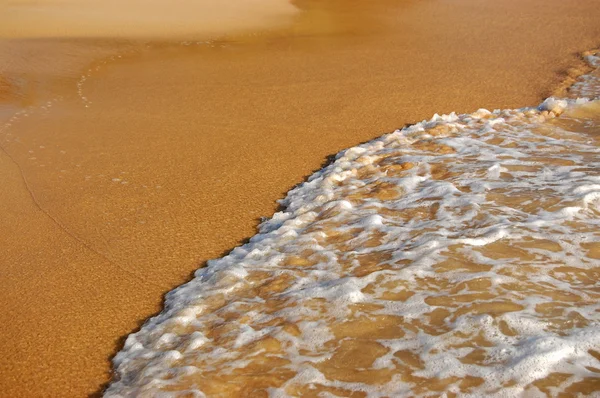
x: 139, y: 18
x: 459, y: 256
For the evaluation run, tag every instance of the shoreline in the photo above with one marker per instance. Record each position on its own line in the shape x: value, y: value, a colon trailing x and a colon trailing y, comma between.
x: 111, y: 242
x: 573, y: 73
x: 265, y: 291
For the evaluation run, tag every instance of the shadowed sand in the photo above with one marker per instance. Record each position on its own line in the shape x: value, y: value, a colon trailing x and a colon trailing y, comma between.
x: 118, y: 186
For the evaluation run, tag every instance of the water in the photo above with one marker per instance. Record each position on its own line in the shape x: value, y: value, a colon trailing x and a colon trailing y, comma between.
x: 459, y: 255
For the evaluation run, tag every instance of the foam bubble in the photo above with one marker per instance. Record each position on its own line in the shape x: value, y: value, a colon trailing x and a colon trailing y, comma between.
x: 458, y: 255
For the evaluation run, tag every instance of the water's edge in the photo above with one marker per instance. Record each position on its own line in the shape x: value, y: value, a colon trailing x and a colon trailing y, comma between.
x: 291, y: 265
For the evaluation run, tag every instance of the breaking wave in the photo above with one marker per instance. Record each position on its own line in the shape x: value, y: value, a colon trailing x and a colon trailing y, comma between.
x: 460, y: 255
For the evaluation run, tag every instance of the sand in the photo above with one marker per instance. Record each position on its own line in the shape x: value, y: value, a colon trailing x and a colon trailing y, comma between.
x: 168, y: 156
x: 139, y: 18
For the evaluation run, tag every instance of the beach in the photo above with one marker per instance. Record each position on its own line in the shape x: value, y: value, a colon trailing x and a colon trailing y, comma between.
x: 128, y: 162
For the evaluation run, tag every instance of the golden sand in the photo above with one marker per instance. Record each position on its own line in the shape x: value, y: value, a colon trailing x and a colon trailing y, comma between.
x: 357, y: 302
x: 138, y: 18
x: 117, y: 187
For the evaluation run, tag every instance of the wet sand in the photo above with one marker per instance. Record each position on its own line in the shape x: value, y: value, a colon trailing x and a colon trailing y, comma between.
x: 168, y: 156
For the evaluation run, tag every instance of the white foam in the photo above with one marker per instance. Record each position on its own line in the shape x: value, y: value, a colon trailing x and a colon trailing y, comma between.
x: 486, y: 219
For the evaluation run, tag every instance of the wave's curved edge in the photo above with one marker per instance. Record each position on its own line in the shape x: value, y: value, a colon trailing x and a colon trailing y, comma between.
x: 300, y: 202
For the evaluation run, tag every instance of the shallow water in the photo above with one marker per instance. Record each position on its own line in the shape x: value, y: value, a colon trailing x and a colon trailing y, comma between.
x: 459, y: 255
x: 124, y: 185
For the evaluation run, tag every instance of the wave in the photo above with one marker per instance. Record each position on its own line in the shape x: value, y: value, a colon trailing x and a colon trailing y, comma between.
x: 459, y: 255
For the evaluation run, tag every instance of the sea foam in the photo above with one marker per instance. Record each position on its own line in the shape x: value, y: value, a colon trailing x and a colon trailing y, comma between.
x: 457, y: 256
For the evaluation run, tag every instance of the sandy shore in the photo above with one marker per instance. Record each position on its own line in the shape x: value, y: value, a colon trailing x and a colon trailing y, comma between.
x: 139, y: 18
x: 118, y: 186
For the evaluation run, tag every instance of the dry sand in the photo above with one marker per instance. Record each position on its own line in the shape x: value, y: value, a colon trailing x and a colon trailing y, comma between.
x: 138, y: 18
x: 167, y: 156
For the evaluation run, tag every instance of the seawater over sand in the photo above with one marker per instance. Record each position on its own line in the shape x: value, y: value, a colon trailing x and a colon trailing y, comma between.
x: 457, y: 255
x: 173, y: 162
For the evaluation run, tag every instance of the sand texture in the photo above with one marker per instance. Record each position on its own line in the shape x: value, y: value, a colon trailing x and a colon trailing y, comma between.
x: 126, y: 165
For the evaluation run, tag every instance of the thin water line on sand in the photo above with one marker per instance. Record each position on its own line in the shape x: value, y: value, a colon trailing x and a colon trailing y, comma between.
x: 61, y: 226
